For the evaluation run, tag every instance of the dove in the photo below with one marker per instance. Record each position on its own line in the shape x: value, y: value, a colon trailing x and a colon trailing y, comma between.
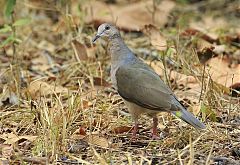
x: 139, y: 85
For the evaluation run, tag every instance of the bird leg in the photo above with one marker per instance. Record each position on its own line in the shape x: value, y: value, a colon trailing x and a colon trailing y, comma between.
x: 154, y: 128
x: 135, y: 129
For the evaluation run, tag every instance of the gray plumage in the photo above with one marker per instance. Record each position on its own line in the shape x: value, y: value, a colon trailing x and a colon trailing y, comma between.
x: 141, y: 87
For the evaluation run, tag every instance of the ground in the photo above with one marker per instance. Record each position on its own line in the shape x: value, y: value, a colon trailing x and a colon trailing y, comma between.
x: 57, y: 105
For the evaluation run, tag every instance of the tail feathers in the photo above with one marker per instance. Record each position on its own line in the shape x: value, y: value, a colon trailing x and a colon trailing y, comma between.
x: 189, y: 118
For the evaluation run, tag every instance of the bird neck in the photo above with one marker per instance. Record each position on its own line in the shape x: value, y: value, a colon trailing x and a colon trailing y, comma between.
x: 118, y: 50
x: 116, y: 35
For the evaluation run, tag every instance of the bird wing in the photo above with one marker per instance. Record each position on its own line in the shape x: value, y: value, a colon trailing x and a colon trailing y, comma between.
x: 141, y: 85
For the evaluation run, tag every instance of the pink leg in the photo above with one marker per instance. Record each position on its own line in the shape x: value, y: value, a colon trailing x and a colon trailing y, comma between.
x: 135, y: 129
x: 154, y: 129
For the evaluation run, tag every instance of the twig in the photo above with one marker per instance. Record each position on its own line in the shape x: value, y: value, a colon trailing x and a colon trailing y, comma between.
x: 203, y: 75
x: 209, y: 155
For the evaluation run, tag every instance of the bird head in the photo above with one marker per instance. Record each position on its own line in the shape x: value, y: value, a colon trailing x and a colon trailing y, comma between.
x: 106, y: 31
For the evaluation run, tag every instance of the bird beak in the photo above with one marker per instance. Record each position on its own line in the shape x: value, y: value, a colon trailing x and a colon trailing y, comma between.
x: 95, y: 38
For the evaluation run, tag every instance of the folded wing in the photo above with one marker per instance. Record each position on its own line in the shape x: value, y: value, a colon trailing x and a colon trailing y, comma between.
x: 144, y: 87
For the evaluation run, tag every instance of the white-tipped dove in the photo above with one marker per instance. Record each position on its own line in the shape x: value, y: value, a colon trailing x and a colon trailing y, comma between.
x: 140, y: 87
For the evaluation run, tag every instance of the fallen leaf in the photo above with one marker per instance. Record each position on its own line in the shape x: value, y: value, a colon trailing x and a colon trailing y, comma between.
x: 207, y: 27
x: 201, y: 33
x: 98, y: 81
x: 91, y: 52
x: 181, y: 78
x: 6, y: 150
x: 127, y: 16
x: 79, y: 51
x: 156, y: 38
x: 11, y: 138
x: 97, y: 140
x: 82, y: 131
x: 221, y: 73
x: 40, y: 88
x: 210, y: 24
x: 121, y: 129
x: 86, y: 104
x: 78, y: 134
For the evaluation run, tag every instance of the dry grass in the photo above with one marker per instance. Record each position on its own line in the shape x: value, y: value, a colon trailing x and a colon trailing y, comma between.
x: 76, y: 123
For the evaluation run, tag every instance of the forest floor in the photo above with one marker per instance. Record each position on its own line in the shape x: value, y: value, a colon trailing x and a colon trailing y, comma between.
x: 57, y: 105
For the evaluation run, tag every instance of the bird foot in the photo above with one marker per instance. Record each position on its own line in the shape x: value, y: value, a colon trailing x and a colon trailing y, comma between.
x: 155, y: 137
x: 134, y: 132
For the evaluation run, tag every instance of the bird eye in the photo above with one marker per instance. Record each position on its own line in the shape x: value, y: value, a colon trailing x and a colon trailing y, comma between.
x: 107, y: 27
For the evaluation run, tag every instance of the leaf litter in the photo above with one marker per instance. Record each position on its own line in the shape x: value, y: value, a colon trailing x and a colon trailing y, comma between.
x: 65, y: 110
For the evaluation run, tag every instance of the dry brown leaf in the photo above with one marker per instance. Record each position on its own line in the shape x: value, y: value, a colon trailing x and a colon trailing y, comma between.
x: 201, y: 33
x: 86, y: 104
x: 40, y: 88
x: 181, y: 78
x: 79, y: 50
x: 210, y: 24
x: 127, y: 16
x: 97, y: 140
x: 98, y: 81
x: 121, y: 129
x: 91, y: 52
x: 221, y: 73
x: 82, y: 131
x: 156, y: 38
x: 78, y: 134
x: 6, y: 150
x: 11, y: 138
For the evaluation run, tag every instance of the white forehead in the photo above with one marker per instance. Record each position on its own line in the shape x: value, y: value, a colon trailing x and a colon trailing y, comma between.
x: 101, y: 28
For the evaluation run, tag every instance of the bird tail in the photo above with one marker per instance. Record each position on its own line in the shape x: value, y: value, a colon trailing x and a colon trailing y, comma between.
x: 189, y: 118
